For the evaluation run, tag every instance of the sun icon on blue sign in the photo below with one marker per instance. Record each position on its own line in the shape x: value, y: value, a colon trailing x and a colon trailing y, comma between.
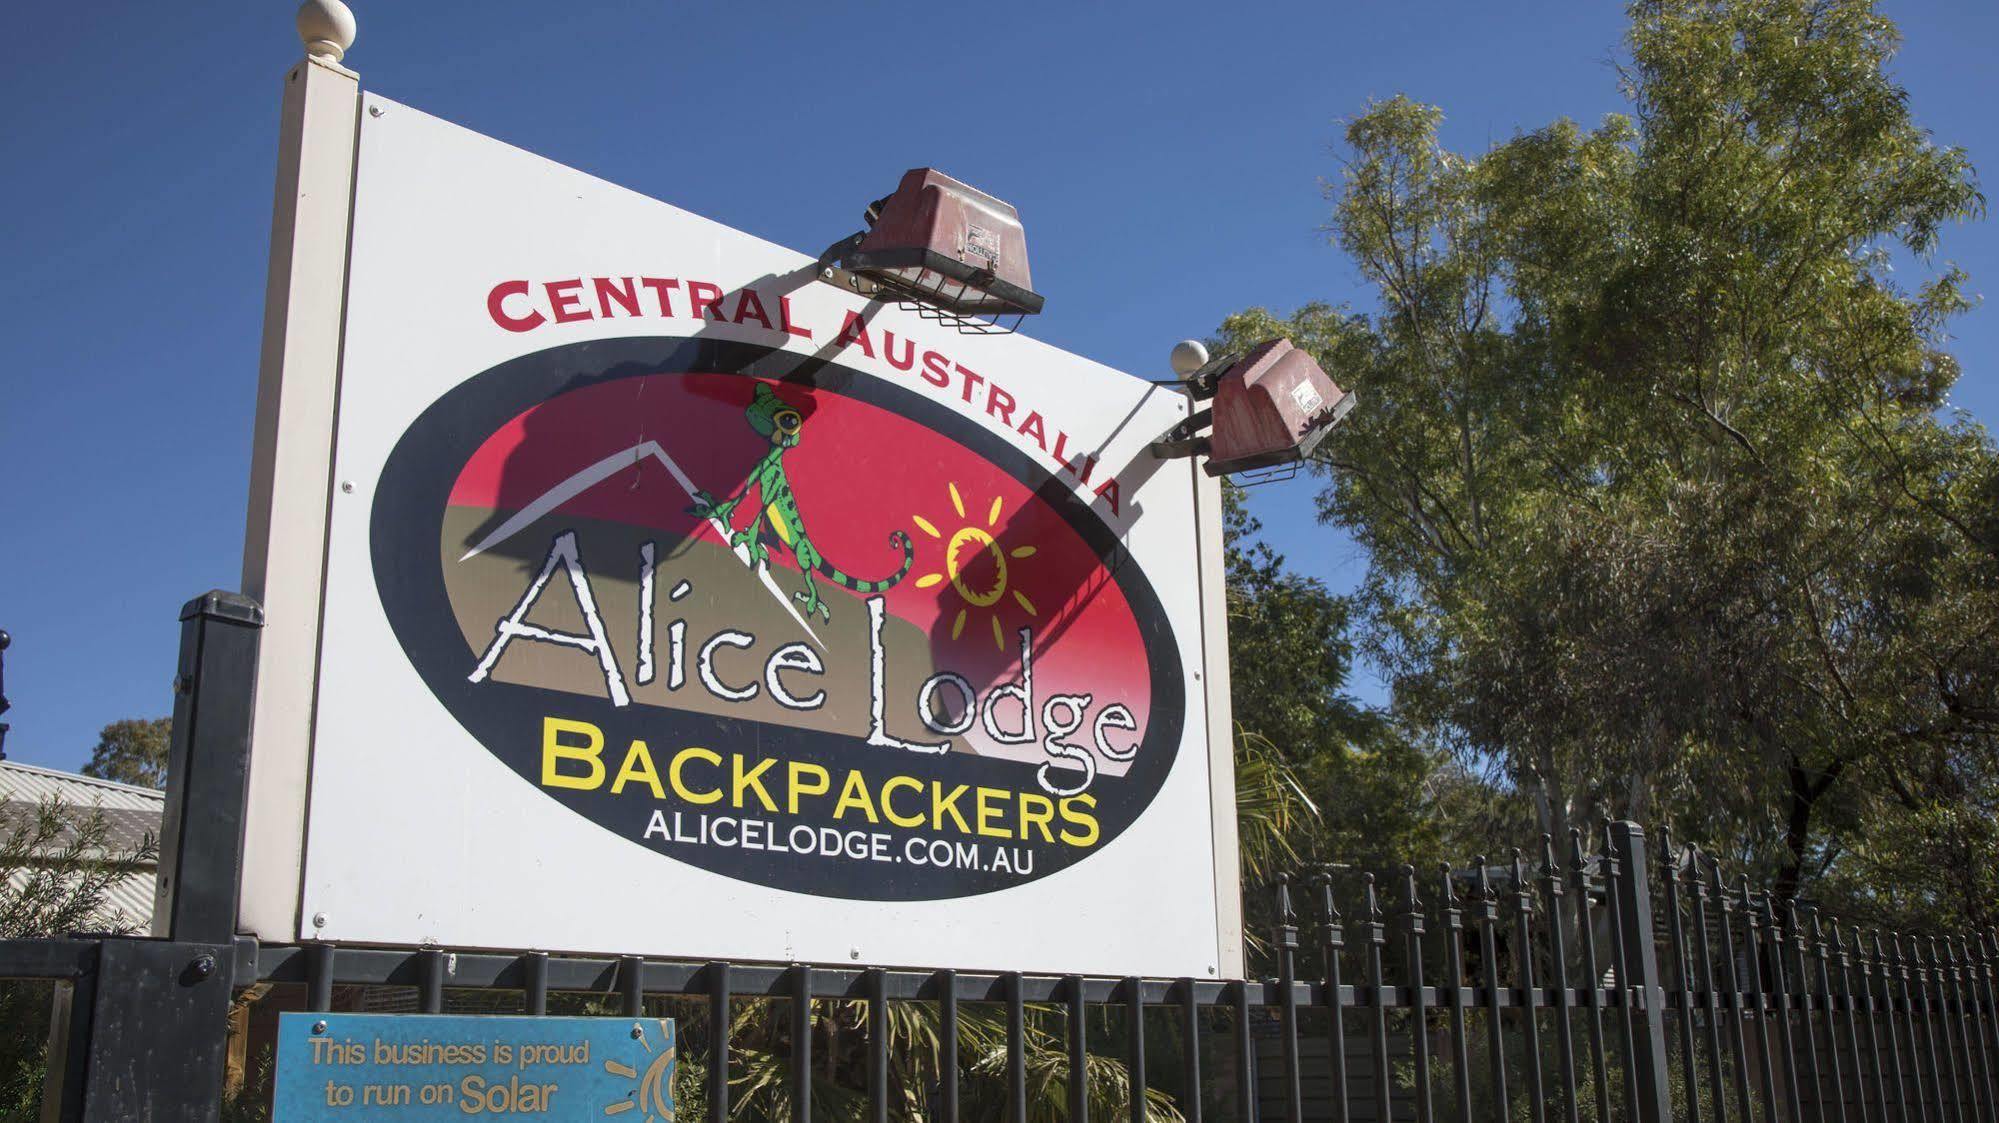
x: 654, y: 1093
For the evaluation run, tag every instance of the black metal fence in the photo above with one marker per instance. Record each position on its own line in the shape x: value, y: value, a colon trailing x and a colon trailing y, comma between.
x: 1631, y: 982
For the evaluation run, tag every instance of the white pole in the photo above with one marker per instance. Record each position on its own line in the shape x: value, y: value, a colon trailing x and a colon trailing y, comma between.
x: 291, y: 462
x: 1212, y: 560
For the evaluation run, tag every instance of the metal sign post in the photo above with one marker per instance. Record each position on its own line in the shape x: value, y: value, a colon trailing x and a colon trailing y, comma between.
x: 291, y: 461
x: 141, y: 1029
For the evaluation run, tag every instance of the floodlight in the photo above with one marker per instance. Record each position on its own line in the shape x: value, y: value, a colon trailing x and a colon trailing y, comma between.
x: 945, y: 250
x: 1272, y: 405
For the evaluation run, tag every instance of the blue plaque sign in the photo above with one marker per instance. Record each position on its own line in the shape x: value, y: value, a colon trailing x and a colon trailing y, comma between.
x: 436, y: 1067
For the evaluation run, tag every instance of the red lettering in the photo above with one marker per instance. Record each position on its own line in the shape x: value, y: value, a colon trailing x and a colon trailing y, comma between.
x: 1032, y: 428
x: 888, y: 351
x: 703, y: 296
x: 752, y: 306
x: 1089, y: 464
x: 1061, y: 447
x: 855, y: 330
x: 659, y: 285
x: 999, y: 403
x: 972, y: 379
x: 784, y: 318
x: 564, y: 301
x: 496, y: 307
x: 936, y: 369
x: 1108, y: 491
x: 608, y: 290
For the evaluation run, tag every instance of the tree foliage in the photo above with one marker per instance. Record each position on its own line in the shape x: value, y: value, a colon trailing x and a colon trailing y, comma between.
x: 1665, y: 512
x: 133, y: 751
x: 57, y: 868
x: 1320, y: 779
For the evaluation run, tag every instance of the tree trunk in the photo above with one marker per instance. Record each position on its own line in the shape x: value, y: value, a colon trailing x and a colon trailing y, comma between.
x: 1800, y: 802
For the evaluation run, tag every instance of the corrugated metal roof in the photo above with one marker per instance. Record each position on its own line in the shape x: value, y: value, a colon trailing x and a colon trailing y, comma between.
x: 30, y: 784
x: 130, y: 813
x: 125, y: 829
x: 128, y: 902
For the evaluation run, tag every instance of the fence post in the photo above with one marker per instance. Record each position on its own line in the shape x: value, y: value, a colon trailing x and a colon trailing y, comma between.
x: 208, y: 767
x: 148, y: 1038
x: 1641, y: 958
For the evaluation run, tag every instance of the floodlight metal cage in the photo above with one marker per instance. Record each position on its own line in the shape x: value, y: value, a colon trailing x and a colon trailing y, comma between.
x: 944, y: 250
x: 1270, y: 409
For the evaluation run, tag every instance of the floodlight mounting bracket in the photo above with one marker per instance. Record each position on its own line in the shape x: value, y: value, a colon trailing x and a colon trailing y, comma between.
x: 1186, y: 438
x: 842, y: 265
x: 831, y: 272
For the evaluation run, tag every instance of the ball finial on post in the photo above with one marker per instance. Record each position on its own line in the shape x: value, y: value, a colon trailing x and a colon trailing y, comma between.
x: 1188, y: 356
x: 327, y: 28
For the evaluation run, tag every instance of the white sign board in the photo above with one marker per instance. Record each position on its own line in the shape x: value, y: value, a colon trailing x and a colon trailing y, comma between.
x: 677, y: 603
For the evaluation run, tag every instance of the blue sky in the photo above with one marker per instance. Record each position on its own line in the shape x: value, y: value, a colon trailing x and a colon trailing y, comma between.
x: 1166, y: 159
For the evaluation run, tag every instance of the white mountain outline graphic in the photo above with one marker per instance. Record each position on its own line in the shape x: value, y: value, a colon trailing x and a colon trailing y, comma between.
x: 606, y: 468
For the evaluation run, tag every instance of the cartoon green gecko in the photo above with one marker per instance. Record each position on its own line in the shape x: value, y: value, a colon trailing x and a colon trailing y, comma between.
x: 779, y: 422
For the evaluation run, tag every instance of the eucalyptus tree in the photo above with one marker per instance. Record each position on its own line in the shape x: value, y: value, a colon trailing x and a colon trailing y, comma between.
x: 1664, y: 512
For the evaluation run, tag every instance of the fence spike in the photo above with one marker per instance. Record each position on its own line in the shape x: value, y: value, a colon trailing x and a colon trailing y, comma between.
x: 1827, y: 954
x: 1910, y: 975
x: 1377, y: 939
x: 1944, y: 984
x: 1335, y: 995
x: 1979, y: 970
x: 1419, y: 1040
x: 1792, y: 938
x: 1287, y: 976
x: 1565, y: 1041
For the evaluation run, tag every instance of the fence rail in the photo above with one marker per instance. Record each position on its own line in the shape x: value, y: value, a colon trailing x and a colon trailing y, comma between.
x: 1625, y: 983
x: 1726, y: 1005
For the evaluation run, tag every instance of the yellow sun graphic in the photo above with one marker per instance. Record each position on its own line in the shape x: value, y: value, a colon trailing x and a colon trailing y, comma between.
x: 976, y: 565
x: 654, y: 1095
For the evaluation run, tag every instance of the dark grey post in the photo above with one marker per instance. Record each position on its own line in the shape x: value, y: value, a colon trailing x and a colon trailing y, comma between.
x: 146, y: 1035
x: 1079, y: 1051
x: 801, y: 1044
x: 208, y: 767
x: 720, y: 1014
x: 1641, y: 958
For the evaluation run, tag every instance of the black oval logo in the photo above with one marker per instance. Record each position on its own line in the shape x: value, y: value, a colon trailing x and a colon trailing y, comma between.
x: 778, y: 619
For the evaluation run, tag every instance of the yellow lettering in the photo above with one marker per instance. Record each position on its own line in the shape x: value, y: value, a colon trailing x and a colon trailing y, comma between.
x: 680, y: 787
x: 747, y: 781
x: 942, y: 805
x: 820, y: 786
x: 471, y: 1095
x: 638, y: 766
x: 888, y: 808
x: 1089, y: 834
x: 990, y: 812
x: 1042, y: 813
x: 554, y: 751
x: 854, y: 793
